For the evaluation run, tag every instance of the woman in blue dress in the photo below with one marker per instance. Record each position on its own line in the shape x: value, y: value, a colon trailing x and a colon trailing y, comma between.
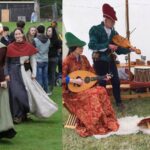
x: 26, y: 95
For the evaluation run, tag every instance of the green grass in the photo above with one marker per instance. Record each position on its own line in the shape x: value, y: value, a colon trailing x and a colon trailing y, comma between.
x: 72, y: 141
x: 37, y: 134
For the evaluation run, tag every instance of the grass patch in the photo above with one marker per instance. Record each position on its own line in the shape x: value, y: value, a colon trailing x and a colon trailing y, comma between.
x: 72, y: 141
x: 37, y: 134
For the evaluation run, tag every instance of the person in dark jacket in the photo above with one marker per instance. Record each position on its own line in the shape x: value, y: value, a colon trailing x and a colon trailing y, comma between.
x: 5, y: 37
x: 53, y: 55
x: 54, y: 24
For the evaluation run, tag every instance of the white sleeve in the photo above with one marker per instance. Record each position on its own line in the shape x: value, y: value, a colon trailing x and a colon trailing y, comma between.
x: 103, y: 50
x: 33, y: 65
x: 100, y: 50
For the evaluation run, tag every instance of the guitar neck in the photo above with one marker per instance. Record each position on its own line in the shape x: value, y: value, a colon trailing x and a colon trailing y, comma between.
x: 88, y: 79
x: 97, y: 78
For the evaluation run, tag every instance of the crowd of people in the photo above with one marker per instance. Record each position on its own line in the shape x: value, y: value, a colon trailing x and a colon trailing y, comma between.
x: 28, y: 65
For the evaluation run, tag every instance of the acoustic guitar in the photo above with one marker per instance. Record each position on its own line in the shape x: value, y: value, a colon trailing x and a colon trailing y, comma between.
x: 89, y: 78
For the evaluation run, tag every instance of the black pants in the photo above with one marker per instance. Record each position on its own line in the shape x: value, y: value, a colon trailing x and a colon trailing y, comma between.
x: 102, y: 68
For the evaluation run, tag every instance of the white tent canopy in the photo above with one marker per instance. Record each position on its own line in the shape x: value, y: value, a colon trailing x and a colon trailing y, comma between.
x: 80, y: 15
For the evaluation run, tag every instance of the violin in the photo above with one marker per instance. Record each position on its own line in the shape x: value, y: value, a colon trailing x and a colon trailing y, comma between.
x: 125, y: 43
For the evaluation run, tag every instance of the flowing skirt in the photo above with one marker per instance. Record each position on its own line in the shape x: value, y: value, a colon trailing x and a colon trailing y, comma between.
x: 40, y: 104
x: 6, y: 123
x: 19, y: 102
x: 93, y: 110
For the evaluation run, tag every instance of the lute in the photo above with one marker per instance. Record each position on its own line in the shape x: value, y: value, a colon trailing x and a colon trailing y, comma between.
x: 89, y: 78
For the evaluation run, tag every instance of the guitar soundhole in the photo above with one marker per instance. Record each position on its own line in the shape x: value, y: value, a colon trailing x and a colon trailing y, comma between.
x: 87, y: 79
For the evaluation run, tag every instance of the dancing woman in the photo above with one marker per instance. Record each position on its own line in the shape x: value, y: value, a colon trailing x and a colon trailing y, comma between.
x: 26, y: 95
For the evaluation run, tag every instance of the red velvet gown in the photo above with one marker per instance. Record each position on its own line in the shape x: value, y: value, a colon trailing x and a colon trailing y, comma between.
x: 92, y: 107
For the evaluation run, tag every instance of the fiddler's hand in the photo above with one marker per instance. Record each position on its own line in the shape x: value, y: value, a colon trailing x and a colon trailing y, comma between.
x: 77, y: 81
x: 108, y: 77
x: 113, y: 47
x: 134, y: 49
x: 3, y: 84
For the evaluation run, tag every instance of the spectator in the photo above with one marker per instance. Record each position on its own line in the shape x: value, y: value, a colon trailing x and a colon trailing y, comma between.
x: 31, y: 34
x: 53, y: 55
x: 5, y: 36
x: 20, y: 24
x: 42, y: 43
x: 1, y: 30
x: 55, y: 25
x: 33, y: 17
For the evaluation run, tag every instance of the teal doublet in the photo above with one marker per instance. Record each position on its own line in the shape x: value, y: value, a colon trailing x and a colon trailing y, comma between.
x: 99, y: 40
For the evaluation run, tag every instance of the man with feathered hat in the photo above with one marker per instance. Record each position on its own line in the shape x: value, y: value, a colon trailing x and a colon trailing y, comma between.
x: 101, y: 44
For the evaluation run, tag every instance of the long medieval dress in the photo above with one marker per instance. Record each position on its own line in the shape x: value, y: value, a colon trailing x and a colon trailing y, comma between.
x: 6, y: 123
x: 26, y: 95
x: 92, y: 107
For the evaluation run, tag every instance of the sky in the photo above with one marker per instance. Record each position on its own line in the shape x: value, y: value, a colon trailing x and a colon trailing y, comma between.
x: 80, y: 15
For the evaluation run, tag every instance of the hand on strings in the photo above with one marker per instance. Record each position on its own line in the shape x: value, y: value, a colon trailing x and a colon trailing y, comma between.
x: 7, y: 78
x: 132, y: 49
x: 108, y: 77
x: 113, y: 47
x: 3, y: 84
x: 77, y: 81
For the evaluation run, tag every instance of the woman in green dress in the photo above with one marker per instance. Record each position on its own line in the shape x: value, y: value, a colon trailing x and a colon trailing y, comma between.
x: 6, y: 123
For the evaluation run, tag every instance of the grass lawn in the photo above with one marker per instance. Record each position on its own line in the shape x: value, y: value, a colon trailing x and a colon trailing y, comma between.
x: 72, y: 141
x: 38, y: 134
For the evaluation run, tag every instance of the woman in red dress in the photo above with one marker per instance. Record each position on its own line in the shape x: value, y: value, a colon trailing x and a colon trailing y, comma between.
x: 92, y: 107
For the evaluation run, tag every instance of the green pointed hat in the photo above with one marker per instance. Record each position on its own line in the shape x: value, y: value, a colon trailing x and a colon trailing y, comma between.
x: 72, y: 40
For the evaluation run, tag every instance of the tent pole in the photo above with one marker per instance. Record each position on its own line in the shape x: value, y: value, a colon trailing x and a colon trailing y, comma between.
x: 128, y: 34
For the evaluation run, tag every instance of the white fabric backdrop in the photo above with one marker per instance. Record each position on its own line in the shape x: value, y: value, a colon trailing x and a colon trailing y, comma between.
x: 80, y: 15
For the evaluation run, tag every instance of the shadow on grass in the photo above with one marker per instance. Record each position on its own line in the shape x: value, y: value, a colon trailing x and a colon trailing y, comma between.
x: 5, y: 142
x: 41, y: 121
